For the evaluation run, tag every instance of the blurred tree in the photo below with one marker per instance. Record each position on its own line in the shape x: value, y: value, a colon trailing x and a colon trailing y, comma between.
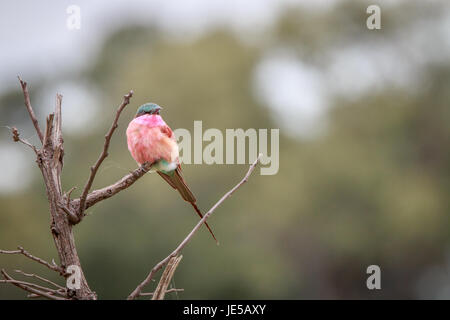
x: 371, y: 190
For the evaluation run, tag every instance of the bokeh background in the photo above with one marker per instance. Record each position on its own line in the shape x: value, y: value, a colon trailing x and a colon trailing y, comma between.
x: 364, y: 119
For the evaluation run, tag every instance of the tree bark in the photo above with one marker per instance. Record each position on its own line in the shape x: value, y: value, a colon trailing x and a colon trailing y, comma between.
x: 50, y: 162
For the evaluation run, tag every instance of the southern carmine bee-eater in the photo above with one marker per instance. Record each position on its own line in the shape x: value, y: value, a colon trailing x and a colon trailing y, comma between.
x: 151, y: 140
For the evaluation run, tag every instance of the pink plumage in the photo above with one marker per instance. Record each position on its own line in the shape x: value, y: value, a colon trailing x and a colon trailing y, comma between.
x: 150, y: 139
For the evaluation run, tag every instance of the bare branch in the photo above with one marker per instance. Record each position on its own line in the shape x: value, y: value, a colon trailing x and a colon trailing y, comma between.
x: 104, y: 154
x: 48, y: 130
x: 58, y: 120
x: 166, y: 277
x: 32, y: 275
x: 16, y: 138
x: 57, y: 136
x: 67, y: 195
x: 26, y: 95
x: 180, y: 247
x: 21, y: 250
x: 31, y: 287
x: 107, y: 192
x: 34, y: 295
x: 144, y: 294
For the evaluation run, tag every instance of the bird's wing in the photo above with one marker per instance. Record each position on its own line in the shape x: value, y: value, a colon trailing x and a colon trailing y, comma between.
x: 167, y: 131
x: 175, y: 178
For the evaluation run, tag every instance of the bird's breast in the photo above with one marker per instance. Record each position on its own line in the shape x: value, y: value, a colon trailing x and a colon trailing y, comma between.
x: 148, y: 141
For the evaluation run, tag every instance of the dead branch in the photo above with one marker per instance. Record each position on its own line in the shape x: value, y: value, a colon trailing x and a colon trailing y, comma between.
x: 31, y: 285
x: 51, y: 266
x: 34, y: 295
x: 30, y: 109
x: 32, y: 275
x: 67, y: 195
x: 145, y: 294
x: 107, y: 192
x: 186, y: 240
x: 32, y: 288
x: 48, y: 130
x: 49, y: 159
x: 58, y: 142
x: 16, y: 138
x: 103, y: 155
x: 166, y: 277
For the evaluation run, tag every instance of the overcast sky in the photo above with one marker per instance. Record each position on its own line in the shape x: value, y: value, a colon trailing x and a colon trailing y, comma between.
x: 35, y: 38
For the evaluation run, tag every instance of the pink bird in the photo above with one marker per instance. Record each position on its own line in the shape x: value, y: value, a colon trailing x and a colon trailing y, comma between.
x: 151, y: 140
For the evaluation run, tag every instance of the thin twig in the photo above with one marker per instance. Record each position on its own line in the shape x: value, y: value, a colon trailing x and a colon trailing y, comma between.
x: 16, y: 138
x: 34, y: 295
x: 32, y: 275
x: 180, y: 247
x: 33, y: 285
x: 68, y: 193
x: 104, y: 154
x: 21, y: 250
x: 145, y: 294
x: 26, y: 95
x: 30, y: 287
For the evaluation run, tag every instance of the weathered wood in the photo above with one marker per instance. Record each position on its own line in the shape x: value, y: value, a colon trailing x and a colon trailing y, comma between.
x: 50, y: 162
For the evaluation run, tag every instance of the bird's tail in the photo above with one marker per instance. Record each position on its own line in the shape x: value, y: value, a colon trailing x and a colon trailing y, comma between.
x: 206, y: 224
x: 175, y: 179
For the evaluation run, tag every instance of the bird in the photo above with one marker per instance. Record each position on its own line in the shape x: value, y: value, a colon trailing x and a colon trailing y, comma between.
x: 150, y: 140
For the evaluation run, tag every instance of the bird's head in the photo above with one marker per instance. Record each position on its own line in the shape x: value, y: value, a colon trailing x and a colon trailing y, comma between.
x: 148, y: 108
